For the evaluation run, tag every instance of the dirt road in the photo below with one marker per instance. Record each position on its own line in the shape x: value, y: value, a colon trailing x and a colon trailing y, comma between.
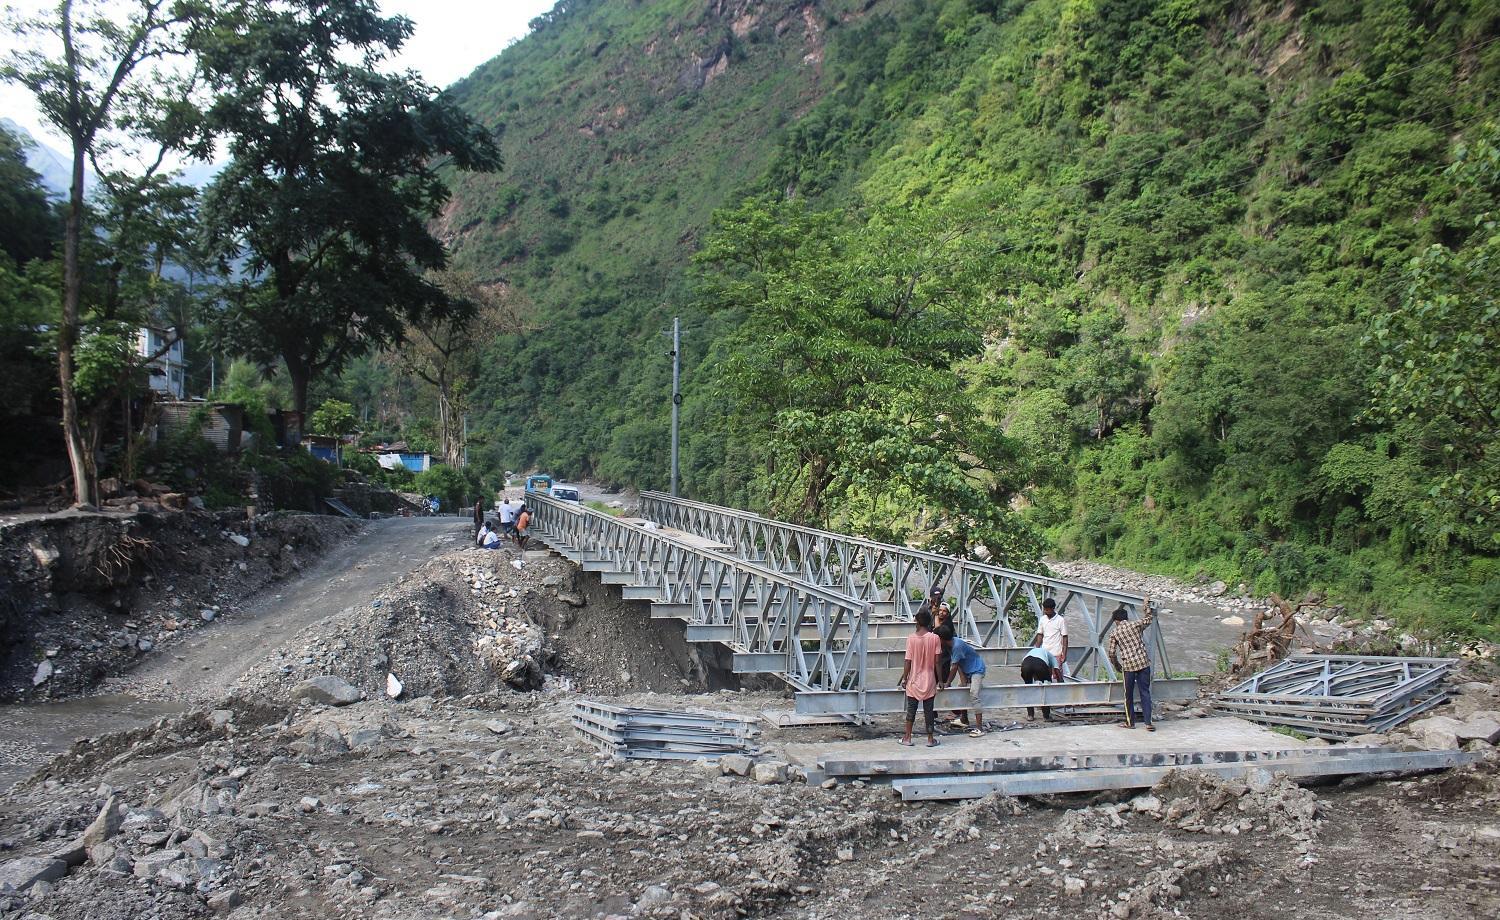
x: 209, y: 660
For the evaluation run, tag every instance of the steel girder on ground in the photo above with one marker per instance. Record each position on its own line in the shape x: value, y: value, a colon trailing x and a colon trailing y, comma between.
x: 1339, y: 696
x: 1051, y: 782
x: 988, y: 600
x: 755, y: 610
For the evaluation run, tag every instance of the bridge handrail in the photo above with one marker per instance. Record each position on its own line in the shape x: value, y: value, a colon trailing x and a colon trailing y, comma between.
x: 661, y: 506
x: 1134, y: 600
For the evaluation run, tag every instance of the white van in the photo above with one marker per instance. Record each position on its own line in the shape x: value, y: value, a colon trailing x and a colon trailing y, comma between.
x: 565, y: 493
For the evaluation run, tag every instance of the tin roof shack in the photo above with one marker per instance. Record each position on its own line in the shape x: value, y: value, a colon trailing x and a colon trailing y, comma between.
x: 325, y: 448
x: 223, y: 425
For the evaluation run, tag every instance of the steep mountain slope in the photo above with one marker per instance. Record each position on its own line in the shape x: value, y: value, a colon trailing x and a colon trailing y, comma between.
x: 625, y: 126
x: 1198, y: 217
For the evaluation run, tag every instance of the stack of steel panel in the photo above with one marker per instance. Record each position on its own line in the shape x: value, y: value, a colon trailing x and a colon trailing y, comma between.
x: 664, y: 734
x: 1339, y: 696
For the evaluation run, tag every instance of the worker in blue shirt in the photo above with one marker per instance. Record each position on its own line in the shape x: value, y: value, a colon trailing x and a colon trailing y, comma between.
x: 966, y: 664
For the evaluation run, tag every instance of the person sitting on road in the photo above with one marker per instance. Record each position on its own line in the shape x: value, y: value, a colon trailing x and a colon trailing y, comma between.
x: 1126, y: 648
x: 1040, y: 666
x: 919, y: 678
x: 492, y: 538
x: 969, y: 667
x: 485, y: 528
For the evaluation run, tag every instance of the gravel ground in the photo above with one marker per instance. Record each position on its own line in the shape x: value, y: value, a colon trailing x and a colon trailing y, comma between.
x: 309, y: 791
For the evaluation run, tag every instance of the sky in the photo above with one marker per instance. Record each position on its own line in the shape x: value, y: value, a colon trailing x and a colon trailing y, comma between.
x: 452, y: 37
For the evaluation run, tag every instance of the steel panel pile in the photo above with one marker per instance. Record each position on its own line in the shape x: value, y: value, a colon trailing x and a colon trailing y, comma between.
x: 664, y: 734
x: 1339, y: 696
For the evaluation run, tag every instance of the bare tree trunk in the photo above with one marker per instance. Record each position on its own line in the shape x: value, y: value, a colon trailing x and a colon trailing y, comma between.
x: 80, y: 458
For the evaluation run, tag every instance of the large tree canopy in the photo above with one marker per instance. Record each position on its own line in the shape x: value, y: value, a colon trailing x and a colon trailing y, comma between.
x: 334, y: 173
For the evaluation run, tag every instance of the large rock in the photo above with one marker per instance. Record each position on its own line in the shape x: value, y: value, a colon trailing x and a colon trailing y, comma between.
x: 738, y: 764
x: 106, y: 825
x: 21, y: 874
x: 325, y: 688
x: 1481, y: 726
x: 1436, y: 733
x: 769, y: 773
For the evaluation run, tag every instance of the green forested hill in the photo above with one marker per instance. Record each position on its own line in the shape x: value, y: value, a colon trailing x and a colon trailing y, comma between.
x: 1147, y: 280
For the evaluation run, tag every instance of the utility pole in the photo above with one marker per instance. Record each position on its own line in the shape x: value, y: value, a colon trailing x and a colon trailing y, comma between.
x: 676, y: 392
x: 466, y: 441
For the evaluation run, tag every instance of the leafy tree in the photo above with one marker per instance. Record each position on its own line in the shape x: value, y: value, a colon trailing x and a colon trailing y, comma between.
x: 1439, y: 360
x: 29, y: 227
x: 97, y: 72
x: 334, y: 172
x: 445, y: 351
x: 333, y: 419
x: 846, y: 358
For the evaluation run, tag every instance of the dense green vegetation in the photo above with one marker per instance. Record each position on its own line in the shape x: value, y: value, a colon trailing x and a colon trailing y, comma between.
x: 1198, y: 286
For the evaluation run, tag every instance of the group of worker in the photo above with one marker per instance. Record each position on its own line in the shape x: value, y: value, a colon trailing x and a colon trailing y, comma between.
x: 938, y: 658
x: 515, y: 522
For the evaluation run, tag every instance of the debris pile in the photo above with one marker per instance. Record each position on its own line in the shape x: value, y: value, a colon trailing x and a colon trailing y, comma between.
x: 463, y: 622
x: 662, y: 734
x: 1339, y: 696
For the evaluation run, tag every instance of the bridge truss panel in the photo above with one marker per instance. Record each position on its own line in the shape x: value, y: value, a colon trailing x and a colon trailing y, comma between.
x: 991, y: 603
x: 817, y: 636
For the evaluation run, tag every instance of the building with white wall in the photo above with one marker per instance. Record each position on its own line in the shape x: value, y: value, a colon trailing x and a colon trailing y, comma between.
x: 167, y: 370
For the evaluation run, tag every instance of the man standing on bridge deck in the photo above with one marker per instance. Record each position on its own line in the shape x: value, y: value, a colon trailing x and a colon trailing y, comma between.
x: 1052, y: 634
x: 919, y: 677
x: 1127, y: 652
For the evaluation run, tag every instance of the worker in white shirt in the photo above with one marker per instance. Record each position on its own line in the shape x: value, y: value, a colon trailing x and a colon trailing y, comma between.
x: 1052, y: 634
x: 508, y: 518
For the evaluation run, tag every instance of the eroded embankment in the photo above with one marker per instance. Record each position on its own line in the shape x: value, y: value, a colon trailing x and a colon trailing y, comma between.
x: 87, y: 596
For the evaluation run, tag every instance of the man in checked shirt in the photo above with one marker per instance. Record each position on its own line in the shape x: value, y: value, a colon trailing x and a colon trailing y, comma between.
x: 1127, y: 652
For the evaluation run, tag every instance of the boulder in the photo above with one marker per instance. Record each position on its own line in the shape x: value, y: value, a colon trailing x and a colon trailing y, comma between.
x: 1217, y: 589
x: 768, y: 773
x: 738, y: 764
x: 105, y: 825
x: 21, y: 874
x: 1436, y: 733
x: 327, y: 689
x: 43, y: 673
x: 1481, y: 726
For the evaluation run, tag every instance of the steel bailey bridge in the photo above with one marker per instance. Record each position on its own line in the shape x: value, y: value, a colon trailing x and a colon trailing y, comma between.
x: 828, y: 613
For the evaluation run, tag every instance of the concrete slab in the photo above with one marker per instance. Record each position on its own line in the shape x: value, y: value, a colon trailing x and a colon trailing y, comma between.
x: 963, y: 754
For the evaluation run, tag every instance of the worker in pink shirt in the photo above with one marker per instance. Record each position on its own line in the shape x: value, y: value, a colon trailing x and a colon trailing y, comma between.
x: 919, y: 677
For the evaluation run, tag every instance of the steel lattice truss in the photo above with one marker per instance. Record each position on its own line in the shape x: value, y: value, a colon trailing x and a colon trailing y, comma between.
x: 989, y: 602
x: 815, y: 636
x: 1339, y: 696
